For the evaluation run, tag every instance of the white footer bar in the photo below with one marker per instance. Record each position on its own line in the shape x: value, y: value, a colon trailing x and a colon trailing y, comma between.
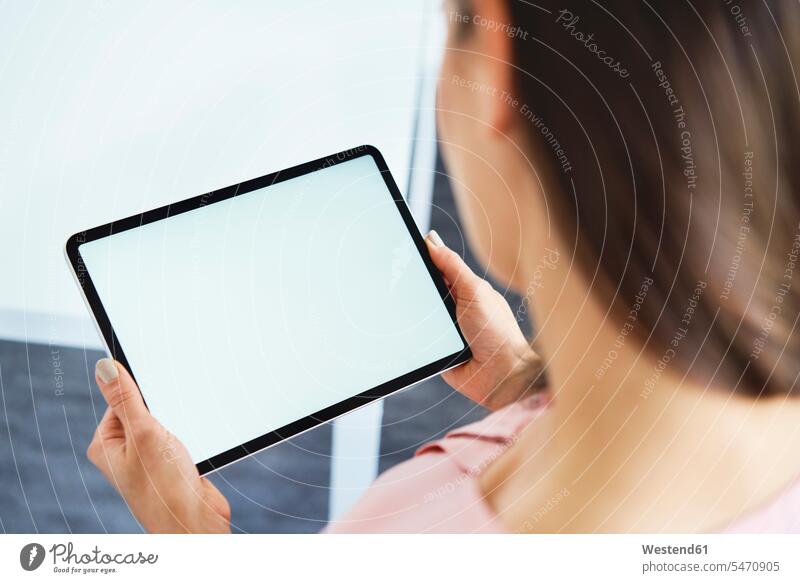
x: 430, y: 558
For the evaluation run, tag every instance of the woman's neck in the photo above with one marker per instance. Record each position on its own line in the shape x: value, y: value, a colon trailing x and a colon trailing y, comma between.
x: 636, y: 445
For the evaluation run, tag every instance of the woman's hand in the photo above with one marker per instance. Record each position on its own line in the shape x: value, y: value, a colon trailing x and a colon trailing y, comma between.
x: 148, y: 465
x: 504, y: 367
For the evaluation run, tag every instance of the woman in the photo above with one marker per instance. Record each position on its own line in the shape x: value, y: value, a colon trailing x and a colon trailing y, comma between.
x: 629, y: 170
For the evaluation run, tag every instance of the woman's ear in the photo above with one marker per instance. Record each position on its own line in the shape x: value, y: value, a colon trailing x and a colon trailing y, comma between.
x: 490, y: 27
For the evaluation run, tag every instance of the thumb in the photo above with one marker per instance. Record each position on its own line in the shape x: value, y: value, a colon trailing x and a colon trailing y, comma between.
x: 120, y: 391
x: 464, y: 282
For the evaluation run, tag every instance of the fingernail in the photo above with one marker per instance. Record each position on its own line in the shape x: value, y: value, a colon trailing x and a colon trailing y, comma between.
x: 435, y: 239
x: 106, y: 369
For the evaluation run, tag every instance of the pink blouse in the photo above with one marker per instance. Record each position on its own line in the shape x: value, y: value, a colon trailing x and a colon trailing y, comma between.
x: 437, y: 491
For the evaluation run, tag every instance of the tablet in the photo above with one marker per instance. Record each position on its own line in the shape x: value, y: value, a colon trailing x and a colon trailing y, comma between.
x: 255, y: 312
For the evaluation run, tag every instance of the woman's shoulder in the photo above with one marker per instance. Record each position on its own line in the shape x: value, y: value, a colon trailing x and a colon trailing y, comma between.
x: 779, y: 515
x: 473, y: 447
x: 437, y: 491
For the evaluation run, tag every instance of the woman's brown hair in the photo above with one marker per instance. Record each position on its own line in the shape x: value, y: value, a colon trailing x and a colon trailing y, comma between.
x: 668, y: 136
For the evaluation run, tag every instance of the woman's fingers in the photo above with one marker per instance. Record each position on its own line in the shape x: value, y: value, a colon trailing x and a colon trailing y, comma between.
x: 461, y: 278
x: 109, y: 434
x: 110, y: 427
x: 120, y: 392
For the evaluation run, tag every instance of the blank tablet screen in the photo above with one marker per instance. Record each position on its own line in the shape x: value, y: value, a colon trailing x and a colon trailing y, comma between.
x: 242, y: 316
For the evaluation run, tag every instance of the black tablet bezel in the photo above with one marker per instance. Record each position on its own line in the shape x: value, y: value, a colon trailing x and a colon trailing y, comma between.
x: 271, y: 438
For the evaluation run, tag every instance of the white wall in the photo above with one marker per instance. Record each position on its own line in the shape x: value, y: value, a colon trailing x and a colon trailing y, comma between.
x: 111, y: 108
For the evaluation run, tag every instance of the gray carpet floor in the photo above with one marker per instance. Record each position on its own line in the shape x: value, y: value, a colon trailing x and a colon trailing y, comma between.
x: 50, y: 407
